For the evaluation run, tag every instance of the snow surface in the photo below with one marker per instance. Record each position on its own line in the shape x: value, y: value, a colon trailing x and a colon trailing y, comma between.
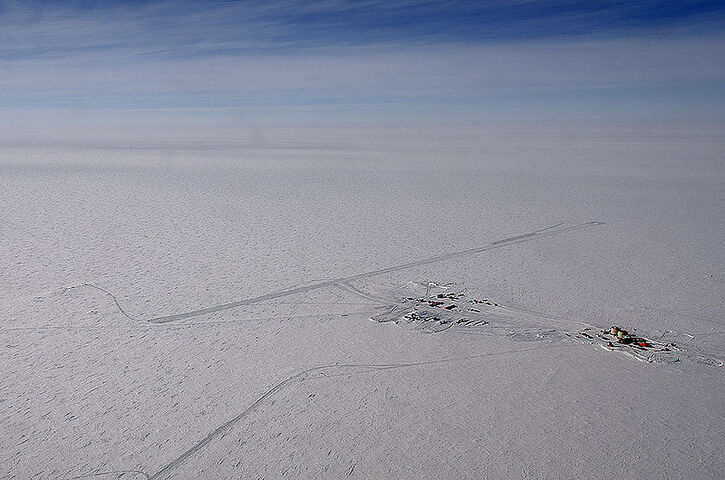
x: 202, y: 309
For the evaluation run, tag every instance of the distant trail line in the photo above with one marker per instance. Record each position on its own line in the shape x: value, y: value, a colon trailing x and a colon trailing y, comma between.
x: 147, y: 326
x: 345, y: 287
x: 305, y: 375
x: 118, y: 474
x: 557, y: 229
x: 115, y: 300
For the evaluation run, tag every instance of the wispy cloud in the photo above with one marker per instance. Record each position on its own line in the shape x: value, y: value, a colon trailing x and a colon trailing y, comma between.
x: 425, y: 57
x: 186, y: 28
x: 439, y: 71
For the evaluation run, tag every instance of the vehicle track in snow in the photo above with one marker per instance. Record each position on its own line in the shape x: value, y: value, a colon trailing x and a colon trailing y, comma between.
x: 319, y: 372
x: 113, y: 297
x: 553, y: 230
x: 342, y: 282
x: 118, y: 474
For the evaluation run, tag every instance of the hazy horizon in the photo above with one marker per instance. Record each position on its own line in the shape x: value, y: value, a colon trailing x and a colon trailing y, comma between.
x: 90, y: 68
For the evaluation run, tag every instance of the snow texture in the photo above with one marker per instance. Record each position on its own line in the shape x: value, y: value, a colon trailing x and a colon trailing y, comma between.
x: 203, y: 310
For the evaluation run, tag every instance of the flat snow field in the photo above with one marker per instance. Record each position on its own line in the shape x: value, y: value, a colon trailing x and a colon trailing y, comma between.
x: 238, y: 309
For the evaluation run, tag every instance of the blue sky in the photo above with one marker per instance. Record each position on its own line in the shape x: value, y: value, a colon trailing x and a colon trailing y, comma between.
x: 289, y: 61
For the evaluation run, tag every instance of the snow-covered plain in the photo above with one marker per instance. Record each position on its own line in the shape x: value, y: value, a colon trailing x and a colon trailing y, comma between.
x: 284, y: 244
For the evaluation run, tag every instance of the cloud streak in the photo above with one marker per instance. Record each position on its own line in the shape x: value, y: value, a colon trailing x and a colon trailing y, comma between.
x: 383, y: 60
x: 183, y: 29
x: 438, y: 71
